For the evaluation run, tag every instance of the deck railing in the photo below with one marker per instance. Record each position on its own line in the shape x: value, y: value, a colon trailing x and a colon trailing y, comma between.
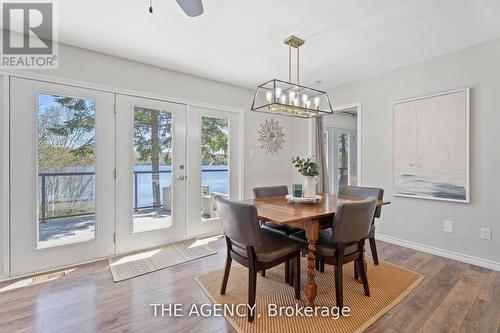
x: 43, y: 188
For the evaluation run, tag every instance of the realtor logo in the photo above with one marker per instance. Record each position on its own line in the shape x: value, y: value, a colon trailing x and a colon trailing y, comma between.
x: 28, y: 35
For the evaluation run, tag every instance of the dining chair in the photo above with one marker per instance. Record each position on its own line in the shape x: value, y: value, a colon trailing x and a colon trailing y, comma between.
x: 365, y: 192
x: 286, y: 230
x: 254, y: 247
x: 274, y: 191
x: 351, y: 225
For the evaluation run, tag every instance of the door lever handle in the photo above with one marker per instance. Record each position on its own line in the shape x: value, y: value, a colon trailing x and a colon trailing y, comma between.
x: 182, y: 177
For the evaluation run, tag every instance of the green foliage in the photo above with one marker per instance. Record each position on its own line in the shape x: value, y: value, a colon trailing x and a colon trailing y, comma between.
x: 306, y: 166
x: 80, y: 124
x: 343, y: 151
x: 66, y: 133
x: 214, y: 141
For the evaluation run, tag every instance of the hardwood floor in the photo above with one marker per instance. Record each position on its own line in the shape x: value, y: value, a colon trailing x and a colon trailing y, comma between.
x: 454, y: 297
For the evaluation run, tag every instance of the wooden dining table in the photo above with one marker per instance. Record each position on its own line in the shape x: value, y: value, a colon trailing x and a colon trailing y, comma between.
x: 311, y: 217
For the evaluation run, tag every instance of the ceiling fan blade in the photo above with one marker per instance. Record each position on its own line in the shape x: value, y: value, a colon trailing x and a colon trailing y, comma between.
x: 191, y: 7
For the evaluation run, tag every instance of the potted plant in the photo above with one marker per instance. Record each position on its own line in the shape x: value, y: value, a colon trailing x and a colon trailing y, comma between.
x: 309, y: 168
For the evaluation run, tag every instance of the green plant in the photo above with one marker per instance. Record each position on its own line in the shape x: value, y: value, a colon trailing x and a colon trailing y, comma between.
x: 306, y: 166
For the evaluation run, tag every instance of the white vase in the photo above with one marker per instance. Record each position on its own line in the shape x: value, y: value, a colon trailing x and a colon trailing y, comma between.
x: 309, y: 190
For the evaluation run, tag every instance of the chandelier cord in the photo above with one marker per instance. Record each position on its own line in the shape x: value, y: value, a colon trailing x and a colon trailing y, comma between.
x: 298, y: 65
x: 289, y: 63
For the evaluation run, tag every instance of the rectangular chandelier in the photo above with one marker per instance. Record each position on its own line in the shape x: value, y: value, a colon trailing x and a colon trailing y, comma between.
x: 290, y: 99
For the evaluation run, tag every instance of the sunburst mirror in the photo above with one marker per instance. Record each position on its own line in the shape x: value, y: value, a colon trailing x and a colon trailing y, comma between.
x: 271, y: 136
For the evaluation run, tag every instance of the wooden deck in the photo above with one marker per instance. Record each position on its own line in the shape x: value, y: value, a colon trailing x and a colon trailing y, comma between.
x: 453, y: 297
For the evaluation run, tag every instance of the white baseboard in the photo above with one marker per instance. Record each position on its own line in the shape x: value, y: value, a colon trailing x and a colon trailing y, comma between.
x: 441, y: 252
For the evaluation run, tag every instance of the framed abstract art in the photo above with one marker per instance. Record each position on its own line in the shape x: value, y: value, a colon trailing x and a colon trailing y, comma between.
x: 431, y: 147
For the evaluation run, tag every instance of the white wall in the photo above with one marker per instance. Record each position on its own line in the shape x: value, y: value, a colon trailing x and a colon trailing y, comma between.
x: 100, y: 70
x: 421, y: 221
x: 339, y: 120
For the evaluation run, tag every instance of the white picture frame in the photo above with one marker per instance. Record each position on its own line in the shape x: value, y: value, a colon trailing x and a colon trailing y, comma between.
x: 431, y: 147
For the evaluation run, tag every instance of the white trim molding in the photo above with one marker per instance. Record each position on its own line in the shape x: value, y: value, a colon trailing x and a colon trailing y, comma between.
x: 4, y: 173
x: 490, y: 264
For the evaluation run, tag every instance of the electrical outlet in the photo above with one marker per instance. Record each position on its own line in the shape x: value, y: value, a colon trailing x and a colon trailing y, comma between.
x: 486, y: 233
x: 447, y: 226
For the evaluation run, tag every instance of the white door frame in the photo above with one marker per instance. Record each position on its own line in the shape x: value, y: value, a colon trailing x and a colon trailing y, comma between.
x: 126, y: 239
x: 25, y: 257
x: 4, y: 174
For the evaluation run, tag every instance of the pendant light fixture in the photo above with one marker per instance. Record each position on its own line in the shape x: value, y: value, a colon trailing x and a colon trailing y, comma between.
x: 288, y: 98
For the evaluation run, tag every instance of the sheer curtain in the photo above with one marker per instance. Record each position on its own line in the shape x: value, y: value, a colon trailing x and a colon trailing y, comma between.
x: 323, y: 182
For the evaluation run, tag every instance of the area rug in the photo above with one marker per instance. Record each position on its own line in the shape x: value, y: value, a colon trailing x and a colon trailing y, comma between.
x: 389, y: 284
x: 130, y: 266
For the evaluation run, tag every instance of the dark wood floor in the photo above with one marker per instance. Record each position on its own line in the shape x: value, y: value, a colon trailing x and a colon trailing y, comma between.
x: 454, y: 297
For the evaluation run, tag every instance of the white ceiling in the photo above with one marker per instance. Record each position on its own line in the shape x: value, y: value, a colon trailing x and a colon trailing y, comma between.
x: 240, y: 42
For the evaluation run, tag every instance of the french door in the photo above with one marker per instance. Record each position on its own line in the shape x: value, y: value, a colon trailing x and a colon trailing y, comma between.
x: 213, y: 166
x: 151, y: 173
x: 61, y: 166
x: 172, y: 161
x: 96, y: 173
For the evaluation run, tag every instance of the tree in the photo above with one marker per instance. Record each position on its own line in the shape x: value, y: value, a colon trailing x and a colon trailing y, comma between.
x: 214, y: 141
x: 66, y: 140
x: 153, y: 140
x: 78, y: 126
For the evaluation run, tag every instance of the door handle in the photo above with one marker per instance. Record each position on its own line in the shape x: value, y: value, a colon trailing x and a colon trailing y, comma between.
x: 181, y: 177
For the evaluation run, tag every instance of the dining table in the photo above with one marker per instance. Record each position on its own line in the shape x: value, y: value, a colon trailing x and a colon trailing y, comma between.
x: 311, y: 217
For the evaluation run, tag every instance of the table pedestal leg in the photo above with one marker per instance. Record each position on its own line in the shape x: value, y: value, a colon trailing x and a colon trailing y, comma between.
x: 310, y: 287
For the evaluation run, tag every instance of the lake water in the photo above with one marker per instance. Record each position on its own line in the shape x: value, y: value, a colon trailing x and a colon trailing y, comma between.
x: 216, y: 177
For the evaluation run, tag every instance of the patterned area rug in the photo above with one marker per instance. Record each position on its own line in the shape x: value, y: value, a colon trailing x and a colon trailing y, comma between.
x: 129, y: 266
x: 389, y: 284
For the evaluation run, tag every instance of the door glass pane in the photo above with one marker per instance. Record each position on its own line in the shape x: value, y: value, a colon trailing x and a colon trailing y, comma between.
x: 66, y: 170
x: 152, y: 170
x: 342, y: 159
x: 214, y: 163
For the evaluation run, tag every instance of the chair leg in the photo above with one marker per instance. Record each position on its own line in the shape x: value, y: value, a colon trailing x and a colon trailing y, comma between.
x: 263, y: 273
x: 373, y: 248
x: 252, y: 289
x: 317, y: 264
x: 322, y: 266
x: 296, y: 274
x: 291, y: 275
x: 356, y: 275
x: 339, y: 285
x: 362, y: 267
x: 339, y: 292
x: 226, y: 274
x: 287, y: 271
x: 364, y: 278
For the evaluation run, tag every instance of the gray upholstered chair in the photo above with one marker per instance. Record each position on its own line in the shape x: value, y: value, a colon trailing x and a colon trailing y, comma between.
x: 365, y: 192
x: 274, y: 191
x: 254, y: 247
x: 345, y: 244
x: 286, y: 230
